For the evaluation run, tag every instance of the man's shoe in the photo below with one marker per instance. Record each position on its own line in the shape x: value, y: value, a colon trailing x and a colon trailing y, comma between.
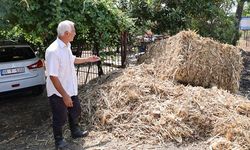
x: 79, y: 134
x: 61, y: 145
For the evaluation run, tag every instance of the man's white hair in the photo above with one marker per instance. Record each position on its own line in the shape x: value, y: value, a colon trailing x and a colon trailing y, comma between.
x: 64, y: 26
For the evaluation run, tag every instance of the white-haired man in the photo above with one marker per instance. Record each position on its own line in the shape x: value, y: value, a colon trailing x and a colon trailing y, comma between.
x: 62, y: 83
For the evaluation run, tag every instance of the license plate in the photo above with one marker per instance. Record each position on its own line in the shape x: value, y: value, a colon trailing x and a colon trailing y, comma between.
x: 12, y: 71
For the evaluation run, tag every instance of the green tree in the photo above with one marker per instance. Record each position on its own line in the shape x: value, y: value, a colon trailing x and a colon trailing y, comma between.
x: 238, y: 15
x: 34, y: 18
x: 207, y: 17
x: 101, y: 22
x: 212, y: 19
x: 97, y: 21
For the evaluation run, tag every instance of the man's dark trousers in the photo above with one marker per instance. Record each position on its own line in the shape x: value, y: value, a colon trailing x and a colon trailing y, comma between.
x: 60, y: 113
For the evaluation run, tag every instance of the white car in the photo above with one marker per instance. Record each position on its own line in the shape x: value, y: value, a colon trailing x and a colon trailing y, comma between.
x: 20, y: 70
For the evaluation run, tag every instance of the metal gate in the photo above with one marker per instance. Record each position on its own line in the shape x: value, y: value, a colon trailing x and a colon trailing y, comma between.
x: 89, y: 71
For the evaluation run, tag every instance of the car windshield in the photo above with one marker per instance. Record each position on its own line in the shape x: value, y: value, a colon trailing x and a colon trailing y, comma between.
x: 15, y: 53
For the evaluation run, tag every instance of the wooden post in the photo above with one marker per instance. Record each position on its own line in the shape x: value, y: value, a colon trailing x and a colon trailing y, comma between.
x: 124, y: 42
x: 96, y: 52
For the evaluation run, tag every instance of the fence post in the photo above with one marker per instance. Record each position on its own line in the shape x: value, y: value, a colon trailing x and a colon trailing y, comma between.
x: 96, y: 52
x: 124, y: 42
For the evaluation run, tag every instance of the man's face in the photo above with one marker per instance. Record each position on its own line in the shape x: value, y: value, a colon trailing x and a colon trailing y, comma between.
x: 71, y: 34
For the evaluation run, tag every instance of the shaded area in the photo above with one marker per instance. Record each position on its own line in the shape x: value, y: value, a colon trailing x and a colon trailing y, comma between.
x: 21, y: 117
x: 245, y: 75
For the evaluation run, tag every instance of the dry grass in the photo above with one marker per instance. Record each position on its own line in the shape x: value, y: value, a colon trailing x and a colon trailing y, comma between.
x: 191, y: 59
x: 140, y: 104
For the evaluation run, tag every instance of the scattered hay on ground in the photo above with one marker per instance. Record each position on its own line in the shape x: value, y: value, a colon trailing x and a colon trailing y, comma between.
x: 135, y: 105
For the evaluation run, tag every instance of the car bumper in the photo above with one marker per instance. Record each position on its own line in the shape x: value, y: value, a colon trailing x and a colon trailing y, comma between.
x: 21, y: 84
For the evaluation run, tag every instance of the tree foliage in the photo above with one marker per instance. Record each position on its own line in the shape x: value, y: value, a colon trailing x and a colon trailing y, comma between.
x: 97, y: 21
x: 207, y: 17
x: 101, y: 22
x: 34, y: 18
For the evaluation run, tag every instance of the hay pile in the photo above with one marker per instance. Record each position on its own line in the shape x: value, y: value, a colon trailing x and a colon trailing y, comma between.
x: 191, y: 59
x: 138, y: 104
x: 134, y: 105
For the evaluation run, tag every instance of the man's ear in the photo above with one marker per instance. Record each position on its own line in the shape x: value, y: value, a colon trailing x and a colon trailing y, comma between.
x: 66, y: 32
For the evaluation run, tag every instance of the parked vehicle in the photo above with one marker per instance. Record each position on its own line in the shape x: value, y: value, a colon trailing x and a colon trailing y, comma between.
x: 20, y: 69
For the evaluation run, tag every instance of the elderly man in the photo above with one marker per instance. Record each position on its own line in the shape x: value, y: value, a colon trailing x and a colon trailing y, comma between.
x: 62, y: 83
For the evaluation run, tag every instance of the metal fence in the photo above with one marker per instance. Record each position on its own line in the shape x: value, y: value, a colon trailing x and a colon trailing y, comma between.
x: 89, y: 71
x: 115, y: 58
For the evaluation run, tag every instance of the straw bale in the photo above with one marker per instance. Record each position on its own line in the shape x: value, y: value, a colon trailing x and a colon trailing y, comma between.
x: 191, y: 59
x: 134, y: 104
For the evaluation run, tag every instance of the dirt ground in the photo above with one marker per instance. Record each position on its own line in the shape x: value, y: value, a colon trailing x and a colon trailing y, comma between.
x: 21, y: 117
x: 25, y: 123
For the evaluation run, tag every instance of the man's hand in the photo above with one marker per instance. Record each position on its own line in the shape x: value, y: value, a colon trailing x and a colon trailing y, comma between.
x: 67, y: 101
x: 93, y: 59
x: 57, y: 84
